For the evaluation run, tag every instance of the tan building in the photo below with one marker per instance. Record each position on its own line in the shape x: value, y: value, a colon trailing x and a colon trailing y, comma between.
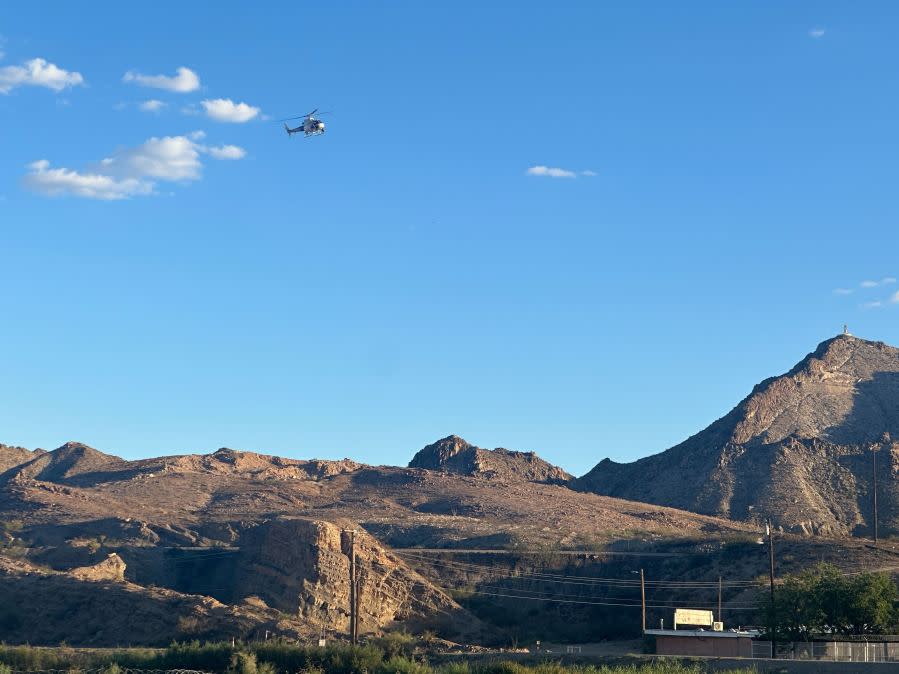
x: 730, y: 644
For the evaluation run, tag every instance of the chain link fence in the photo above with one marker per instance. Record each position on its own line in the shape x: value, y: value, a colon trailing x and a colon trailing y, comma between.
x: 836, y: 651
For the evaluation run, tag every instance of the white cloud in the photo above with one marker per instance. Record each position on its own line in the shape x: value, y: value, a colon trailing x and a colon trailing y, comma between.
x: 55, y: 182
x: 869, y: 284
x: 842, y: 291
x: 817, y: 32
x: 131, y: 171
x: 875, y: 304
x: 887, y: 280
x: 184, y: 81
x: 37, y: 73
x: 226, y: 110
x: 172, y: 158
x: 895, y: 298
x: 197, y: 135
x: 550, y: 172
x: 153, y: 105
x: 589, y: 173
x: 226, y: 152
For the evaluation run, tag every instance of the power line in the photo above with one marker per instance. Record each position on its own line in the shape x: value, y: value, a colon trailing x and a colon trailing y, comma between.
x: 591, y: 580
x: 622, y: 601
x: 567, y: 601
x: 585, y: 580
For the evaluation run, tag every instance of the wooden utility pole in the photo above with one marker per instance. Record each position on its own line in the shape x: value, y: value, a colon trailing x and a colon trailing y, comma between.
x: 874, y: 488
x: 719, y: 600
x: 770, y: 531
x: 643, y: 599
x: 354, y: 631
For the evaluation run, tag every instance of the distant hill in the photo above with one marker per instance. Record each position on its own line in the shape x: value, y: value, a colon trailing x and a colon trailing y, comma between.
x: 452, y: 454
x: 204, y: 543
x: 797, y: 449
x: 70, y: 460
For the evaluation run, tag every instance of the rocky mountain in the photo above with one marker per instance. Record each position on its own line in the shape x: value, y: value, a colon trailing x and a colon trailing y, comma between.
x: 454, y: 455
x: 797, y: 449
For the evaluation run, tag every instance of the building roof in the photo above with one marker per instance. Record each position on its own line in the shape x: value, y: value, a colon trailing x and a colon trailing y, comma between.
x: 728, y: 634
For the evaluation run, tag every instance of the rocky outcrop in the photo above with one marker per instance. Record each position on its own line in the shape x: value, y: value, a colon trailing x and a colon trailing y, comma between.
x: 42, y: 607
x: 111, y: 568
x: 454, y: 455
x: 301, y: 567
x: 797, y: 449
x: 252, y: 465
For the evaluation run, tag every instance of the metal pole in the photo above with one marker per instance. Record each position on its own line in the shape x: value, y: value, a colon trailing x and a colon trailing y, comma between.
x: 719, y: 600
x: 353, y: 631
x: 874, y: 457
x: 356, y: 609
x: 643, y: 599
x: 771, y: 574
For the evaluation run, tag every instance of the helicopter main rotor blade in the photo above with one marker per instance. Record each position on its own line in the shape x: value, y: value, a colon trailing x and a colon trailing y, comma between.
x: 287, y: 119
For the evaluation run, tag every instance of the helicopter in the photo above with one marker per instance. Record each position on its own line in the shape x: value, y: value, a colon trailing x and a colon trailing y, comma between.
x: 310, y: 126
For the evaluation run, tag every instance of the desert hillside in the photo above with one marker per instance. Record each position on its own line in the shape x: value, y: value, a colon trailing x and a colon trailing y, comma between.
x: 260, y: 537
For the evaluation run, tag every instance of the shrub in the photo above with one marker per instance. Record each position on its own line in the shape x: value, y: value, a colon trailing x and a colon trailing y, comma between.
x: 401, y: 665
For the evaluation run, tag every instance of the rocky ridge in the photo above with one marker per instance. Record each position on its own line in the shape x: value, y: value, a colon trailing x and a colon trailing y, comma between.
x: 11, y: 456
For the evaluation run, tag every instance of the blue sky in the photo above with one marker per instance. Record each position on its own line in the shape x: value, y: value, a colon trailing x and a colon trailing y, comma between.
x: 186, y: 278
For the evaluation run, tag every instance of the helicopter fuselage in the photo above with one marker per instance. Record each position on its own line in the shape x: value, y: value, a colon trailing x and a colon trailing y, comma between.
x: 309, y: 127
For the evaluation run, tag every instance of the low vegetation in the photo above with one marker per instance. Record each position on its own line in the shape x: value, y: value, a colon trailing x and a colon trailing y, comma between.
x: 395, y: 654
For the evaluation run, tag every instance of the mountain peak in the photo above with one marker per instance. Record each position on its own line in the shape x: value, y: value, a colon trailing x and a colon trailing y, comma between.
x: 66, y: 461
x: 436, y: 455
x: 797, y: 448
x: 453, y: 454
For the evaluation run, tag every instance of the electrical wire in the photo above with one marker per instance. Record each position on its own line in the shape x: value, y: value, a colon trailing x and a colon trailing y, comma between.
x: 586, y: 580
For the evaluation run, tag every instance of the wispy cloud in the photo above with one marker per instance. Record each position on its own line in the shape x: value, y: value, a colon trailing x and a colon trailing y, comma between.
x: 38, y: 73
x: 895, y: 298
x: 588, y: 173
x: 226, y: 152
x: 842, y: 291
x: 129, y: 172
x: 550, y: 172
x: 184, y: 81
x: 873, y: 304
x: 817, y: 32
x: 226, y: 110
x: 153, y: 105
x: 885, y: 281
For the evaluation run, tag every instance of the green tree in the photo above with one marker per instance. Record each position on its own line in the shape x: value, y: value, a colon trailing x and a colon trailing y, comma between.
x: 822, y: 600
x: 871, y: 604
